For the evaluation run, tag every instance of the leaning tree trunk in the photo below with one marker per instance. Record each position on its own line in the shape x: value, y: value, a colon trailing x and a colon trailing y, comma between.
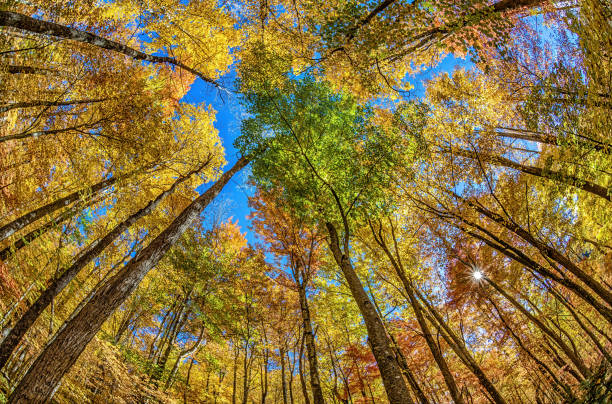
x: 572, y: 356
x: 27, y: 23
x: 390, y: 371
x: 10, y: 228
x: 43, y: 377
x: 58, y: 284
x: 54, y: 223
x: 545, y: 249
x: 43, y: 103
x: 583, y: 184
x: 400, y: 271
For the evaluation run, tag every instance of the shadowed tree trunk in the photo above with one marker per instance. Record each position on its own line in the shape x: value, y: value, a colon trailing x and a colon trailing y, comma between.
x: 10, y: 228
x: 59, y: 283
x: 26, y: 23
x: 400, y: 271
x: 43, y: 377
x: 309, y: 340
x: 42, y: 103
x: 579, y: 183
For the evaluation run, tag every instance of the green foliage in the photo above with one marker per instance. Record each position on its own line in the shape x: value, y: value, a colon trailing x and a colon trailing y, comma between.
x: 323, y: 148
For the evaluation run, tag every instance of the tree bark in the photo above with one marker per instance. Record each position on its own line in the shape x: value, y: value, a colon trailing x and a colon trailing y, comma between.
x: 309, y: 340
x: 34, y: 234
x: 43, y: 377
x: 391, y: 374
x: 396, y: 263
x: 42, y: 103
x: 545, y: 249
x: 184, y: 353
x: 10, y: 228
x: 301, y: 371
x: 578, y: 363
x: 584, y: 185
x: 283, y: 381
x: 26, y: 23
x: 59, y: 283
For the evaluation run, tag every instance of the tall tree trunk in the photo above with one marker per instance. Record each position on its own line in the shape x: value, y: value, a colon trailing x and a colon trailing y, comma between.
x: 291, y: 367
x: 42, y: 103
x: 160, y: 329
x: 36, y: 233
x: 578, y: 363
x: 163, y: 359
x: 313, y: 366
x: 579, y: 183
x: 556, y: 382
x: 59, y: 283
x: 391, y: 373
x: 519, y: 256
x: 283, y: 380
x: 544, y: 138
x: 26, y: 23
x: 186, y: 389
x: 400, y: 271
x: 183, y: 354
x: 235, y: 368
x: 43, y: 377
x: 264, y: 377
x: 10, y: 228
x: 301, y: 371
x: 544, y: 248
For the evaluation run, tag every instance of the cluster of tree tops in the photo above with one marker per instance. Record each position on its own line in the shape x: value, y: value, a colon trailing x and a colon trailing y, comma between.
x: 453, y: 245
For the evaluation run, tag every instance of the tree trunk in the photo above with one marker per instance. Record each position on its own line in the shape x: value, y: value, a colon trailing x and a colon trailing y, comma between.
x: 59, y: 283
x: 390, y: 372
x: 36, y: 233
x: 579, y: 183
x: 42, y: 103
x: 578, y: 363
x: 283, y: 381
x: 309, y: 340
x: 26, y: 23
x: 301, y: 371
x: 545, y: 249
x: 400, y: 271
x: 553, y: 140
x: 10, y: 228
x: 519, y: 256
x: 184, y: 353
x: 43, y: 377
x: 235, y: 374
x: 186, y: 389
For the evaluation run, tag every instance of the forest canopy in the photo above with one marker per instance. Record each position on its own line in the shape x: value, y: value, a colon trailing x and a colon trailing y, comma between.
x: 306, y: 201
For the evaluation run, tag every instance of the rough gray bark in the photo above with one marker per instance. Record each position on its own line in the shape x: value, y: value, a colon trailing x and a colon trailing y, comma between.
x: 43, y: 377
x: 59, y: 283
x: 391, y: 374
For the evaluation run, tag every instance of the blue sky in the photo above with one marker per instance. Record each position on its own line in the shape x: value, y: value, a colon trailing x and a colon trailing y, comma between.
x: 233, y: 200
